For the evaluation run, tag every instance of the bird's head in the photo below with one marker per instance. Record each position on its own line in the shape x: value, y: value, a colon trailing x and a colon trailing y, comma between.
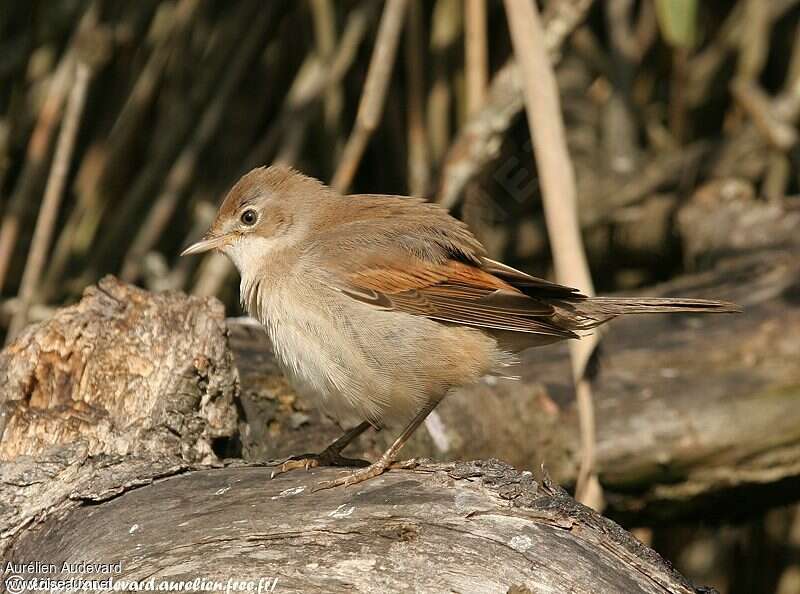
x: 268, y: 207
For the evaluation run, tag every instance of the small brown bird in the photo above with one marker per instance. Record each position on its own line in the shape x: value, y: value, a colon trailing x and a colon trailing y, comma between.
x: 378, y: 306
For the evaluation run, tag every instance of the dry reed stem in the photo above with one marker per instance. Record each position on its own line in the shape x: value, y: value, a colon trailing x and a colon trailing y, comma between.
x: 35, y: 161
x: 480, y: 138
x: 93, y: 197
x: 169, y: 142
x: 754, y: 42
x: 38, y: 148
x: 314, y: 78
x: 444, y: 32
x: 620, y: 130
x: 419, y: 172
x: 308, y: 86
x: 43, y: 232
x: 373, y: 97
x: 559, y: 196
x: 477, y: 54
x: 324, y: 16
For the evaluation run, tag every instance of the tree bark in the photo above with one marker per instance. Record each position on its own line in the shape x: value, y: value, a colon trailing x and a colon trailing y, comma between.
x: 465, y: 527
x: 120, y: 371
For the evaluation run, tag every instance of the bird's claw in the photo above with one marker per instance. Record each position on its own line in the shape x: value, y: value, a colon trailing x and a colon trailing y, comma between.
x: 364, y: 474
x: 309, y: 461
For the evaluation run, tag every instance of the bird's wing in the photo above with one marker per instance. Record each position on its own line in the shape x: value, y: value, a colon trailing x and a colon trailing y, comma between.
x: 452, y: 292
x: 432, y: 266
x: 530, y: 285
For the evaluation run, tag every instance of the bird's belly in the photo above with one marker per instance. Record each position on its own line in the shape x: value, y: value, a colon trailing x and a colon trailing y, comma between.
x: 320, y: 358
x: 315, y: 369
x: 362, y: 363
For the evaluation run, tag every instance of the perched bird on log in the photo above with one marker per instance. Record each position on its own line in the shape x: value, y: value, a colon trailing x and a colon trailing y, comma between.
x: 378, y: 306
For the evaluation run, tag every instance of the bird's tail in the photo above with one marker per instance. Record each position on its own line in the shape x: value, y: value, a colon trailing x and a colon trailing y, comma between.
x: 594, y: 311
x: 635, y: 305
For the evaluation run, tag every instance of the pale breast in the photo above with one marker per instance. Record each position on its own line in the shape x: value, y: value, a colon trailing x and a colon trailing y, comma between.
x: 306, y: 345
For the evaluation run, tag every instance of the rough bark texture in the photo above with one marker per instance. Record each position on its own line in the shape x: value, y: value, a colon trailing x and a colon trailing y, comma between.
x: 469, y: 527
x: 121, y: 370
x: 694, y: 412
x: 122, y: 375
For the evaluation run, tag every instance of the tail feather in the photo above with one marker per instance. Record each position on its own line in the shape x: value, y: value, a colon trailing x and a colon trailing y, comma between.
x: 591, y: 312
x: 637, y: 305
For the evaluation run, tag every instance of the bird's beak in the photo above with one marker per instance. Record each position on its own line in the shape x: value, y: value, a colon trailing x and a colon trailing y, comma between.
x: 208, y: 243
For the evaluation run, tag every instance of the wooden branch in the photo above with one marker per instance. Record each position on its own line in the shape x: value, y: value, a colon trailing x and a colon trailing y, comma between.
x: 600, y: 199
x: 121, y: 371
x: 478, y: 526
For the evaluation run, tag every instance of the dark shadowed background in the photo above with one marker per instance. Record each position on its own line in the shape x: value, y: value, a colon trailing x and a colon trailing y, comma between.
x: 122, y: 124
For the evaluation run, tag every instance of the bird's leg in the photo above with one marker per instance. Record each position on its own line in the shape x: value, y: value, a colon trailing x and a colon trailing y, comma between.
x: 386, y: 461
x: 330, y: 456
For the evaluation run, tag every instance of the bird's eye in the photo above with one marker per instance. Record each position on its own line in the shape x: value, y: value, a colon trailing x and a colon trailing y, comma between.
x: 249, y: 217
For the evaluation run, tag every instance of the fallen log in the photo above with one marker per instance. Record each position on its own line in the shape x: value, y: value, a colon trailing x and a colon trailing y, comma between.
x: 466, y: 527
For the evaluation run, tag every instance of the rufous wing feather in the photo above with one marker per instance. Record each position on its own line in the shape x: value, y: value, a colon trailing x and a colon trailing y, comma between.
x: 454, y: 292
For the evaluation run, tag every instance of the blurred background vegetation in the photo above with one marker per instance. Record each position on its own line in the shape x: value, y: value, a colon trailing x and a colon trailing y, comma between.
x: 122, y: 124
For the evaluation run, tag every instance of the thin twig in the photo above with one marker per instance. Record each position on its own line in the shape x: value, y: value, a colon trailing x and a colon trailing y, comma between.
x: 419, y: 172
x: 559, y: 196
x: 476, y: 53
x: 781, y: 134
x: 704, y: 66
x: 56, y: 181
x: 370, y: 107
x: 39, y: 145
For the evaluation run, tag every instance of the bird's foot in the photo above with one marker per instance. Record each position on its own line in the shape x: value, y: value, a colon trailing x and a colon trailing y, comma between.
x: 327, y: 457
x: 364, y: 474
